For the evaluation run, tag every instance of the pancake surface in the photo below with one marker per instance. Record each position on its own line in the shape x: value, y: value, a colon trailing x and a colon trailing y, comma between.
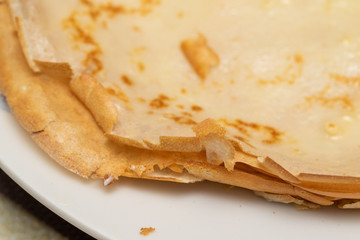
x: 270, y: 84
x: 283, y: 80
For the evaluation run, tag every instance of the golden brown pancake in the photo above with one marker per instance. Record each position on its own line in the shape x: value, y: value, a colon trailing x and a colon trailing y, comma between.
x: 231, y: 93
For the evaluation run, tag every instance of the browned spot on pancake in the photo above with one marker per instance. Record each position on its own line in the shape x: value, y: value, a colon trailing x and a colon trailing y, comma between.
x: 289, y: 74
x: 93, y: 61
x: 146, y: 231
x: 271, y: 135
x: 196, y: 108
x: 118, y: 93
x: 136, y: 28
x: 186, y: 114
x: 298, y: 59
x: 125, y: 79
x: 147, y: 6
x: 92, y: 16
x: 141, y: 66
x: 112, y: 10
x: 79, y: 31
x: 238, y: 127
x: 274, y: 135
x: 200, y: 56
x: 180, y: 15
x: 321, y: 98
x: 355, y: 80
x: 88, y: 3
x: 236, y: 145
x: 150, y: 112
x: 160, y: 102
x: 81, y: 36
x: 180, y: 119
x: 248, y: 124
x: 180, y: 106
x: 183, y: 91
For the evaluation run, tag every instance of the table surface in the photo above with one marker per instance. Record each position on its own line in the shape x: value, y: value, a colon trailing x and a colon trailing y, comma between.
x: 23, y: 217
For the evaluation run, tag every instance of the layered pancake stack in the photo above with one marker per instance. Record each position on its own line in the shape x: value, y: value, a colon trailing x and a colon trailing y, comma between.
x: 262, y: 95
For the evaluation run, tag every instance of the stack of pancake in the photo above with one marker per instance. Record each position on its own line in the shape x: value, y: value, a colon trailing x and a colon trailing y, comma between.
x: 259, y: 94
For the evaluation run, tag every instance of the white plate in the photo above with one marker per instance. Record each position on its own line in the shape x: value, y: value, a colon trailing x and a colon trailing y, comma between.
x: 177, y: 211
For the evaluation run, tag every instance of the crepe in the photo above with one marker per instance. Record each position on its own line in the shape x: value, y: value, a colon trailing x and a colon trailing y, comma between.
x: 225, y: 102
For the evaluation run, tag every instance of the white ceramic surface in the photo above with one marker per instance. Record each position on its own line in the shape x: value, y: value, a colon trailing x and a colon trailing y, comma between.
x: 177, y: 211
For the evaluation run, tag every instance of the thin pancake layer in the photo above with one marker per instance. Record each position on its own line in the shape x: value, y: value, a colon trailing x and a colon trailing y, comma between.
x: 281, y: 78
x: 65, y: 129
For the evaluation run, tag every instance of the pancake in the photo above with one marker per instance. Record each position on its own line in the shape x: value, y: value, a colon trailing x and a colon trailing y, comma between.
x: 143, y: 89
x: 283, y: 91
